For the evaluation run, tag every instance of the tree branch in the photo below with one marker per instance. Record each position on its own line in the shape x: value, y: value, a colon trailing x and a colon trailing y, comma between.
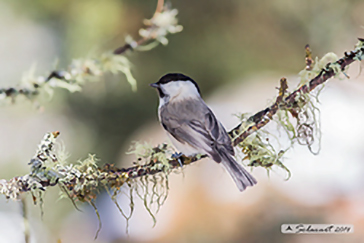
x: 263, y: 117
x: 82, y: 181
x: 80, y: 71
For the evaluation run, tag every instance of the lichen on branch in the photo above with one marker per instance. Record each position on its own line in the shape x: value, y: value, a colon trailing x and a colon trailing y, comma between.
x: 84, y: 70
x: 295, y: 112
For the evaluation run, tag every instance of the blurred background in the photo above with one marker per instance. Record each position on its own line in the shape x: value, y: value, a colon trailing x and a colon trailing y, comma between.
x: 237, y: 51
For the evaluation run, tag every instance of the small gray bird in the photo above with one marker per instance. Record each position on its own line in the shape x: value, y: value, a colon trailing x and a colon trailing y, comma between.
x: 193, y: 127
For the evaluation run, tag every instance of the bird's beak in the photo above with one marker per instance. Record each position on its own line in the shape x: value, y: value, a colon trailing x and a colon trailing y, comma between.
x: 154, y: 85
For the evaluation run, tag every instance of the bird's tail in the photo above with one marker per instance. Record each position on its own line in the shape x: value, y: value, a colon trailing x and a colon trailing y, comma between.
x: 242, y: 178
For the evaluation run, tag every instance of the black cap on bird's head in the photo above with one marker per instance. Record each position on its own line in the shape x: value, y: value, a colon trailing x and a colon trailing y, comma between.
x: 172, y: 77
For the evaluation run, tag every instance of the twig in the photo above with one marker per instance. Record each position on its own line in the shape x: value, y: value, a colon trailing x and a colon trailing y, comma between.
x: 157, y: 28
x: 25, y: 219
x: 98, y: 218
x: 159, y: 8
x: 163, y: 23
x: 263, y: 117
x: 308, y: 59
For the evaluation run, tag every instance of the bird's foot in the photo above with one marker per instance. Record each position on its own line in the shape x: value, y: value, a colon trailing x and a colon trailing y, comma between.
x: 178, y: 157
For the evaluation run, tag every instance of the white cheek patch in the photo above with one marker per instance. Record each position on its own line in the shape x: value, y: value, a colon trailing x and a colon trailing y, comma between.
x: 179, y: 90
x: 172, y: 88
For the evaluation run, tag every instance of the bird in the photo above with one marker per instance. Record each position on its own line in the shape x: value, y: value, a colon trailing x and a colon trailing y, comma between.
x: 193, y: 128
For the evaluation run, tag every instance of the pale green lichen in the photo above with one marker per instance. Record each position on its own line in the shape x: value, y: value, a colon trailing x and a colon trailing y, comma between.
x: 259, y: 150
x: 319, y: 65
x: 360, y: 48
x: 263, y: 149
x: 78, y: 73
x: 118, y: 63
x: 85, y: 180
x: 300, y: 122
x: 152, y: 189
x: 309, y: 123
x: 141, y: 150
x: 84, y: 70
x: 146, y: 153
x: 160, y: 25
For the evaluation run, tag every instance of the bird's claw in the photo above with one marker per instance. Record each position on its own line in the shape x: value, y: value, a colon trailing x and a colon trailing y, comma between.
x: 178, y: 157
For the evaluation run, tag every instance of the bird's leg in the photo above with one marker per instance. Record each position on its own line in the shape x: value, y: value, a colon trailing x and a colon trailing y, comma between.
x: 178, y: 157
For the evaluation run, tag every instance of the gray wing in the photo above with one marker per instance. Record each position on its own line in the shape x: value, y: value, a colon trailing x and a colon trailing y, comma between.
x: 198, y: 127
